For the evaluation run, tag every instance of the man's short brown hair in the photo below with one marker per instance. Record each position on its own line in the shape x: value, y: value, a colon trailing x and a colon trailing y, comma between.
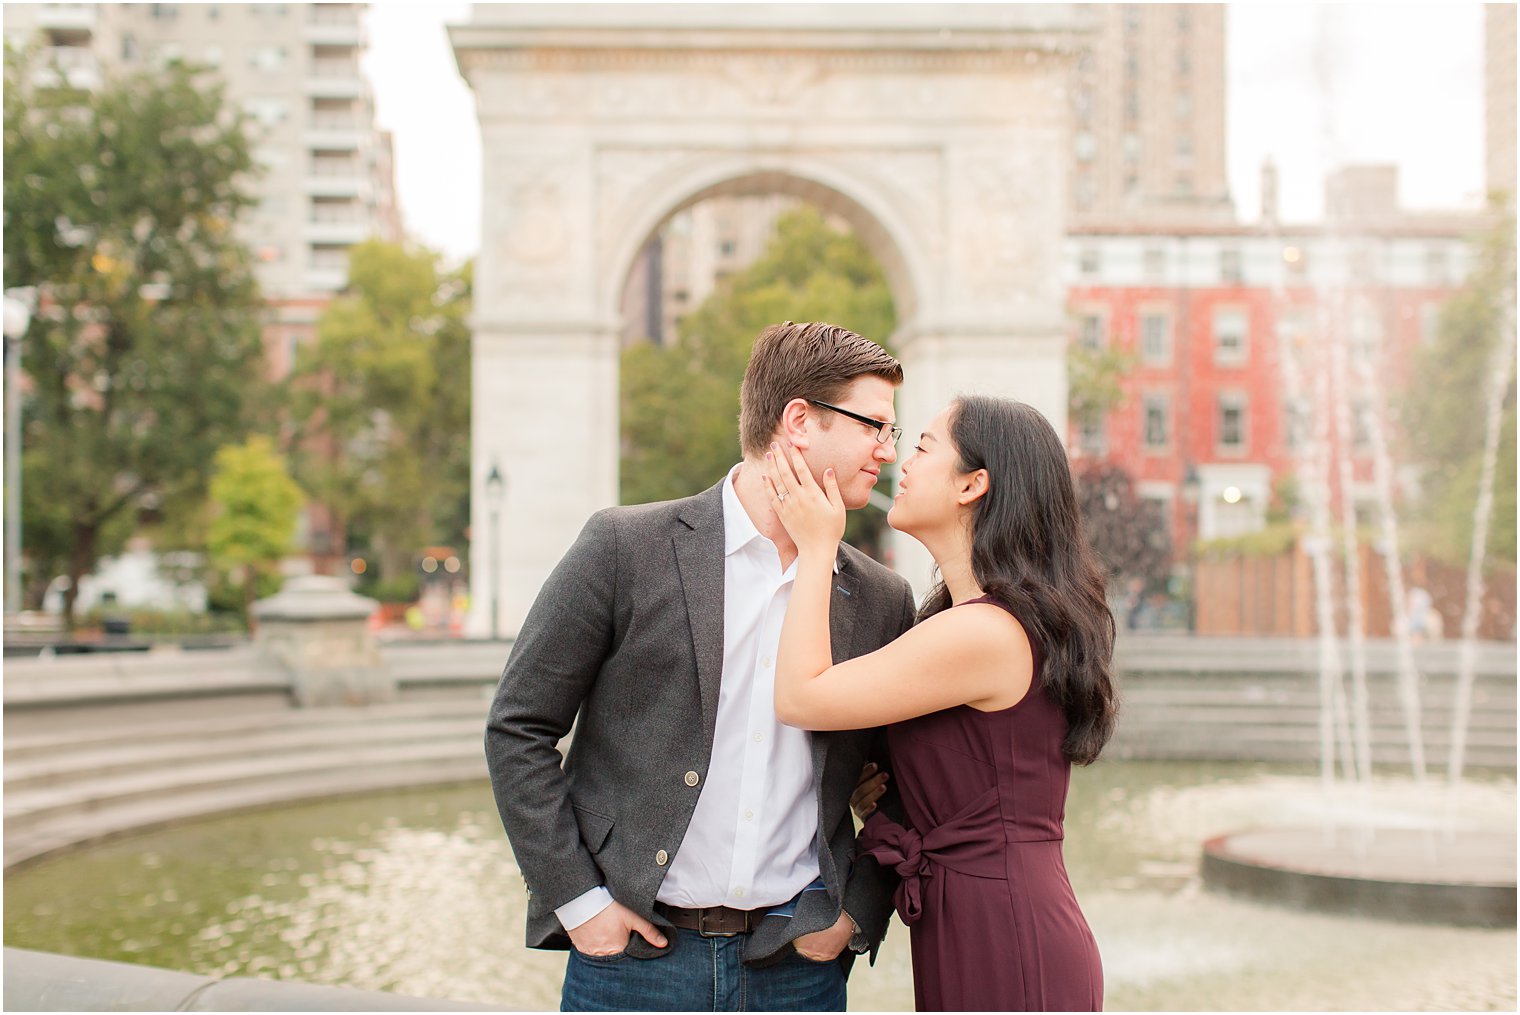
x: 815, y: 361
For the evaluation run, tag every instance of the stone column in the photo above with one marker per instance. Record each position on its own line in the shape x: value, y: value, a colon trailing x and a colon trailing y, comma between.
x: 317, y: 631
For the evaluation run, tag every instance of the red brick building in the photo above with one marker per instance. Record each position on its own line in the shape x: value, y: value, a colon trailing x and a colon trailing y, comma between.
x: 1206, y: 313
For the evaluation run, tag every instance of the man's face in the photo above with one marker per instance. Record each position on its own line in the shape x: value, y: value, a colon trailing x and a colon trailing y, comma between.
x: 850, y: 447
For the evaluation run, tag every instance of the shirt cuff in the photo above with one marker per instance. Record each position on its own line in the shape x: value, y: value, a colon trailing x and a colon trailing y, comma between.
x: 583, y: 907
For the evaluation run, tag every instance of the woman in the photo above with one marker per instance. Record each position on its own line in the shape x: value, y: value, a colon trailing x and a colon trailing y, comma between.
x: 1001, y: 686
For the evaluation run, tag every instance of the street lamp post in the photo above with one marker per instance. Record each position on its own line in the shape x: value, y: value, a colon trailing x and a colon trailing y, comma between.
x: 496, y: 492
x: 18, y: 315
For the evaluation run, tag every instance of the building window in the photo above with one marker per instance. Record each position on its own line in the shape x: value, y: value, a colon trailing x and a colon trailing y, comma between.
x: 1361, y: 426
x: 267, y: 111
x: 1153, y: 262
x: 1430, y: 323
x: 1092, y: 437
x: 1296, y: 423
x: 1131, y: 147
x: 1091, y: 332
x: 1232, y: 423
x: 1156, y: 338
x: 1184, y: 105
x: 1156, y: 425
x: 1230, y: 270
x: 267, y: 58
x: 1231, y: 341
x: 1184, y: 147
x: 1366, y: 331
x: 1087, y: 190
x: 1131, y: 104
x: 1089, y: 261
x: 1184, y: 62
x: 726, y: 248
x: 1083, y: 102
x: 329, y: 257
x: 1086, y: 146
x: 163, y: 12
x: 1437, y: 266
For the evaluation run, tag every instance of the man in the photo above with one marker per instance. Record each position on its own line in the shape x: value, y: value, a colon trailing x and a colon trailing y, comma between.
x: 691, y: 851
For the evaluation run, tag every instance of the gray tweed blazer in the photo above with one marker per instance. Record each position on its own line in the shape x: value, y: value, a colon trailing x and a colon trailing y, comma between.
x: 625, y: 641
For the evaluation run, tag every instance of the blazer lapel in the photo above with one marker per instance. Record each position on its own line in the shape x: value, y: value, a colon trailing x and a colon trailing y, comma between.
x: 842, y: 608
x: 699, y: 558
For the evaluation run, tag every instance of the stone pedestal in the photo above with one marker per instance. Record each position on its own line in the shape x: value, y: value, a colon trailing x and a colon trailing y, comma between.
x: 317, y: 631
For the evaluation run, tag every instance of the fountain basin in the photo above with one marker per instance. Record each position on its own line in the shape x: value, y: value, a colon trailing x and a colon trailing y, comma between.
x: 1463, y: 878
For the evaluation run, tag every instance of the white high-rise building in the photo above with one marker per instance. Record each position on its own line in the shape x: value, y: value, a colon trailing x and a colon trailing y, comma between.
x: 327, y: 180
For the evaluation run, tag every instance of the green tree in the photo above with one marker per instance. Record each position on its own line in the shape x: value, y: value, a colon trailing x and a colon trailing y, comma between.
x: 1442, y: 419
x: 255, y: 504
x: 144, y: 355
x: 1095, y: 381
x: 680, y: 403
x: 383, y: 405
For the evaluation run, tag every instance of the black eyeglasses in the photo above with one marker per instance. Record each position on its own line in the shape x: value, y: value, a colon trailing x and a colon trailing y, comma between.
x: 886, y: 433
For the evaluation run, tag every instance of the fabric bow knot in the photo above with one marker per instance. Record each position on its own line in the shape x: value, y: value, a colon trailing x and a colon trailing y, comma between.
x: 902, y: 849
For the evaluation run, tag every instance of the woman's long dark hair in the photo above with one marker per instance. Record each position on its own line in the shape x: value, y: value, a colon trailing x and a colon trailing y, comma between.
x: 1028, y: 551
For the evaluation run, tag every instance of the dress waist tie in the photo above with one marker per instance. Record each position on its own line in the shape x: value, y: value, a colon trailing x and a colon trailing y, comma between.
x: 969, y: 843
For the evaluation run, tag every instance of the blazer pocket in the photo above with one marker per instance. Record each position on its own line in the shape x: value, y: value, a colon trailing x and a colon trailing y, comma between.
x: 594, y: 827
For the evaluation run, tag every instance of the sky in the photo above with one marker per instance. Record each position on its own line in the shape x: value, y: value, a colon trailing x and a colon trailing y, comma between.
x: 1312, y: 85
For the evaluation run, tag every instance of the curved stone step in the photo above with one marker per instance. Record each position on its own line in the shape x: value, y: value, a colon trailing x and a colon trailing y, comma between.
x: 58, y: 767
x: 107, y: 733
x: 113, y: 818
x: 28, y: 808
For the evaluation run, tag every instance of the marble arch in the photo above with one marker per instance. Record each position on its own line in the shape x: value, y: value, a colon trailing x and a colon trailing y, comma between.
x: 938, y: 131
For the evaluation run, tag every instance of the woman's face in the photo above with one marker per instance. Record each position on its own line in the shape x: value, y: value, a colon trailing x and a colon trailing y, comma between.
x: 928, y: 481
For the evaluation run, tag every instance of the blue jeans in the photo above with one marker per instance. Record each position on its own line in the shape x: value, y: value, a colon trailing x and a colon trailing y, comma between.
x: 701, y: 974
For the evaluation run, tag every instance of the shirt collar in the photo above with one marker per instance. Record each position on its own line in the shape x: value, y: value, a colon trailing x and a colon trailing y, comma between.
x: 738, y: 529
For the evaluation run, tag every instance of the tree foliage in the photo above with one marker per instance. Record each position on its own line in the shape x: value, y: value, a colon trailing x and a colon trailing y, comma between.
x: 255, y: 504
x: 382, y: 399
x: 680, y: 403
x: 1095, y: 381
x: 144, y: 354
x: 1443, y: 419
x: 1128, y: 532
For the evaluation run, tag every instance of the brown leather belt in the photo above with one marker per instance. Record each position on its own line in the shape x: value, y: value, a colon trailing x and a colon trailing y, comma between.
x: 714, y: 921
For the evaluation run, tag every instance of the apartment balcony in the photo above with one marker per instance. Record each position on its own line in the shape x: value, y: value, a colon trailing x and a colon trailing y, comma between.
x: 334, y: 79
x: 335, y: 87
x: 346, y: 230
x: 326, y: 183
x: 333, y: 25
x: 326, y: 280
x: 68, y: 17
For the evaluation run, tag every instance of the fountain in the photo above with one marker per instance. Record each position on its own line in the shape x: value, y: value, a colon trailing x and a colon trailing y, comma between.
x: 1352, y: 859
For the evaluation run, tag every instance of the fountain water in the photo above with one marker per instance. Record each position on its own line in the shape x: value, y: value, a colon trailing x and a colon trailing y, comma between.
x: 1429, y: 872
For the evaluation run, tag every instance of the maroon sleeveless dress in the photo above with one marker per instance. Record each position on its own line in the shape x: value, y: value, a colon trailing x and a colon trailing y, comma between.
x: 984, y: 893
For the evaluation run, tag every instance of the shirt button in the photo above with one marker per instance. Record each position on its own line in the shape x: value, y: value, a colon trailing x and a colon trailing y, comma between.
x: 758, y: 737
x: 692, y: 778
x: 738, y: 893
x: 765, y: 661
x: 662, y: 858
x: 749, y: 815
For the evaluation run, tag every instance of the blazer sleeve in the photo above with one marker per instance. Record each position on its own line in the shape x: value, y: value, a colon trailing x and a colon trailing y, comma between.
x: 555, y: 659
x: 868, y: 891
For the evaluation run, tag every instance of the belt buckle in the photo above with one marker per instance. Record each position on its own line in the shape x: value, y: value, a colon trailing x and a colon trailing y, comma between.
x: 702, y: 924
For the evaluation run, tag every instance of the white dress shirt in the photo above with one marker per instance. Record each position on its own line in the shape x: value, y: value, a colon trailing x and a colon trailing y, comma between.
x: 753, y: 838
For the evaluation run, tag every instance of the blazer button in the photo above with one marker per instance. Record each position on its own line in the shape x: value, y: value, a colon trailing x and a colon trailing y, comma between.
x: 662, y: 858
x: 692, y: 778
